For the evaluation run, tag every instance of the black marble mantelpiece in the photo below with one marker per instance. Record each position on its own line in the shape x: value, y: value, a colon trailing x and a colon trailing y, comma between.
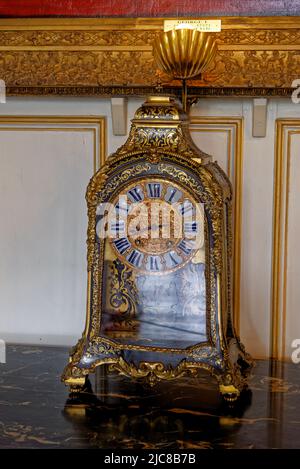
x: 35, y: 411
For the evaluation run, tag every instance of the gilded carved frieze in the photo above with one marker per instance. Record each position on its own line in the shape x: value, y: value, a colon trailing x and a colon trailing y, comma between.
x: 77, y: 68
x: 77, y: 38
x: 103, y: 56
x: 253, y: 68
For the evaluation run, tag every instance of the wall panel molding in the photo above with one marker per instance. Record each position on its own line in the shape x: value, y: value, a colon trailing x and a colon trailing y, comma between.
x: 46, y: 163
x: 233, y: 127
x: 285, y: 130
x: 94, y: 124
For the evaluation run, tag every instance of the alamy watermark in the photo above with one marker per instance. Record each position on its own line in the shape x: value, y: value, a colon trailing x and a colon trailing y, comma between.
x: 2, y: 351
x: 2, y: 92
x: 296, y: 93
x: 158, y: 219
x: 296, y: 353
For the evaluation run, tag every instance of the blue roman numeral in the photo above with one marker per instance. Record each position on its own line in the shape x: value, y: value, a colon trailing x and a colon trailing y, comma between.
x: 136, y: 194
x: 183, y: 245
x: 118, y: 226
x: 122, y: 208
x: 174, y: 261
x: 154, y: 190
x: 135, y: 258
x: 122, y: 245
x: 171, y: 196
x: 153, y: 263
x: 187, y: 207
x: 190, y: 227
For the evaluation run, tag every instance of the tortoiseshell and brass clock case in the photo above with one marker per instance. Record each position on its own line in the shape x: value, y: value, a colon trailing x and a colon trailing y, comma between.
x: 159, y: 300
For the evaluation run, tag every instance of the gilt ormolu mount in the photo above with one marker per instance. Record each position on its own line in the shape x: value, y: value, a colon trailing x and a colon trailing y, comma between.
x: 160, y: 308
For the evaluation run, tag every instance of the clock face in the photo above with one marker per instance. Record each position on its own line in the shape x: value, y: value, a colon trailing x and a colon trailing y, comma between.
x: 155, y: 226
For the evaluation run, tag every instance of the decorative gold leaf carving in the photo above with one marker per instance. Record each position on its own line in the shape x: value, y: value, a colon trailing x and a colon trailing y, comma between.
x: 65, y: 68
x: 259, y: 37
x: 77, y: 38
x: 252, y: 53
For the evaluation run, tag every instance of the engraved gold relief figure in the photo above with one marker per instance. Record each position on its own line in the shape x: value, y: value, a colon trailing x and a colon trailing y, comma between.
x: 120, y: 311
x: 159, y: 247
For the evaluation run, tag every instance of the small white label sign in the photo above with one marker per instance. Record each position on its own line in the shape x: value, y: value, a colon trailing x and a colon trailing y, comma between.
x: 199, y: 25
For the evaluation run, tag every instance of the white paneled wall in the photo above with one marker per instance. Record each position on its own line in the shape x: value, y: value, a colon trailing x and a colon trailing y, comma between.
x: 43, y: 175
x: 43, y: 179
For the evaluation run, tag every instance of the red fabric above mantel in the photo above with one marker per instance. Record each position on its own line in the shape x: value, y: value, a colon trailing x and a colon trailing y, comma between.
x: 147, y: 8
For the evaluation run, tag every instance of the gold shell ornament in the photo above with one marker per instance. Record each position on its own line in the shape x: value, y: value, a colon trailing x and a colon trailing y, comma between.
x: 184, y: 53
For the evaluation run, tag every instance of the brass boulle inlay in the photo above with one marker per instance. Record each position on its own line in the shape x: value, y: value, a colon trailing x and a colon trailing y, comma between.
x: 123, y: 295
x: 169, y: 297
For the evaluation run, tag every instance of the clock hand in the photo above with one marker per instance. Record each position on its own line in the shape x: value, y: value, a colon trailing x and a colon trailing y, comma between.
x: 153, y: 227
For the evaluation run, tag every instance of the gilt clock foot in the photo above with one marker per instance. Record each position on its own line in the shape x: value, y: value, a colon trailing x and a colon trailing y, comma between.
x: 231, y: 384
x: 229, y: 393
x: 77, y: 385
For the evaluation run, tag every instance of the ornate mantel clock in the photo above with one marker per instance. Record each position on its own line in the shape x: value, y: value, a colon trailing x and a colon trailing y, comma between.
x: 159, y: 260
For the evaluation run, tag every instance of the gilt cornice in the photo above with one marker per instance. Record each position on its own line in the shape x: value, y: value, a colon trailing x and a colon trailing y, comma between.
x: 257, y: 56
